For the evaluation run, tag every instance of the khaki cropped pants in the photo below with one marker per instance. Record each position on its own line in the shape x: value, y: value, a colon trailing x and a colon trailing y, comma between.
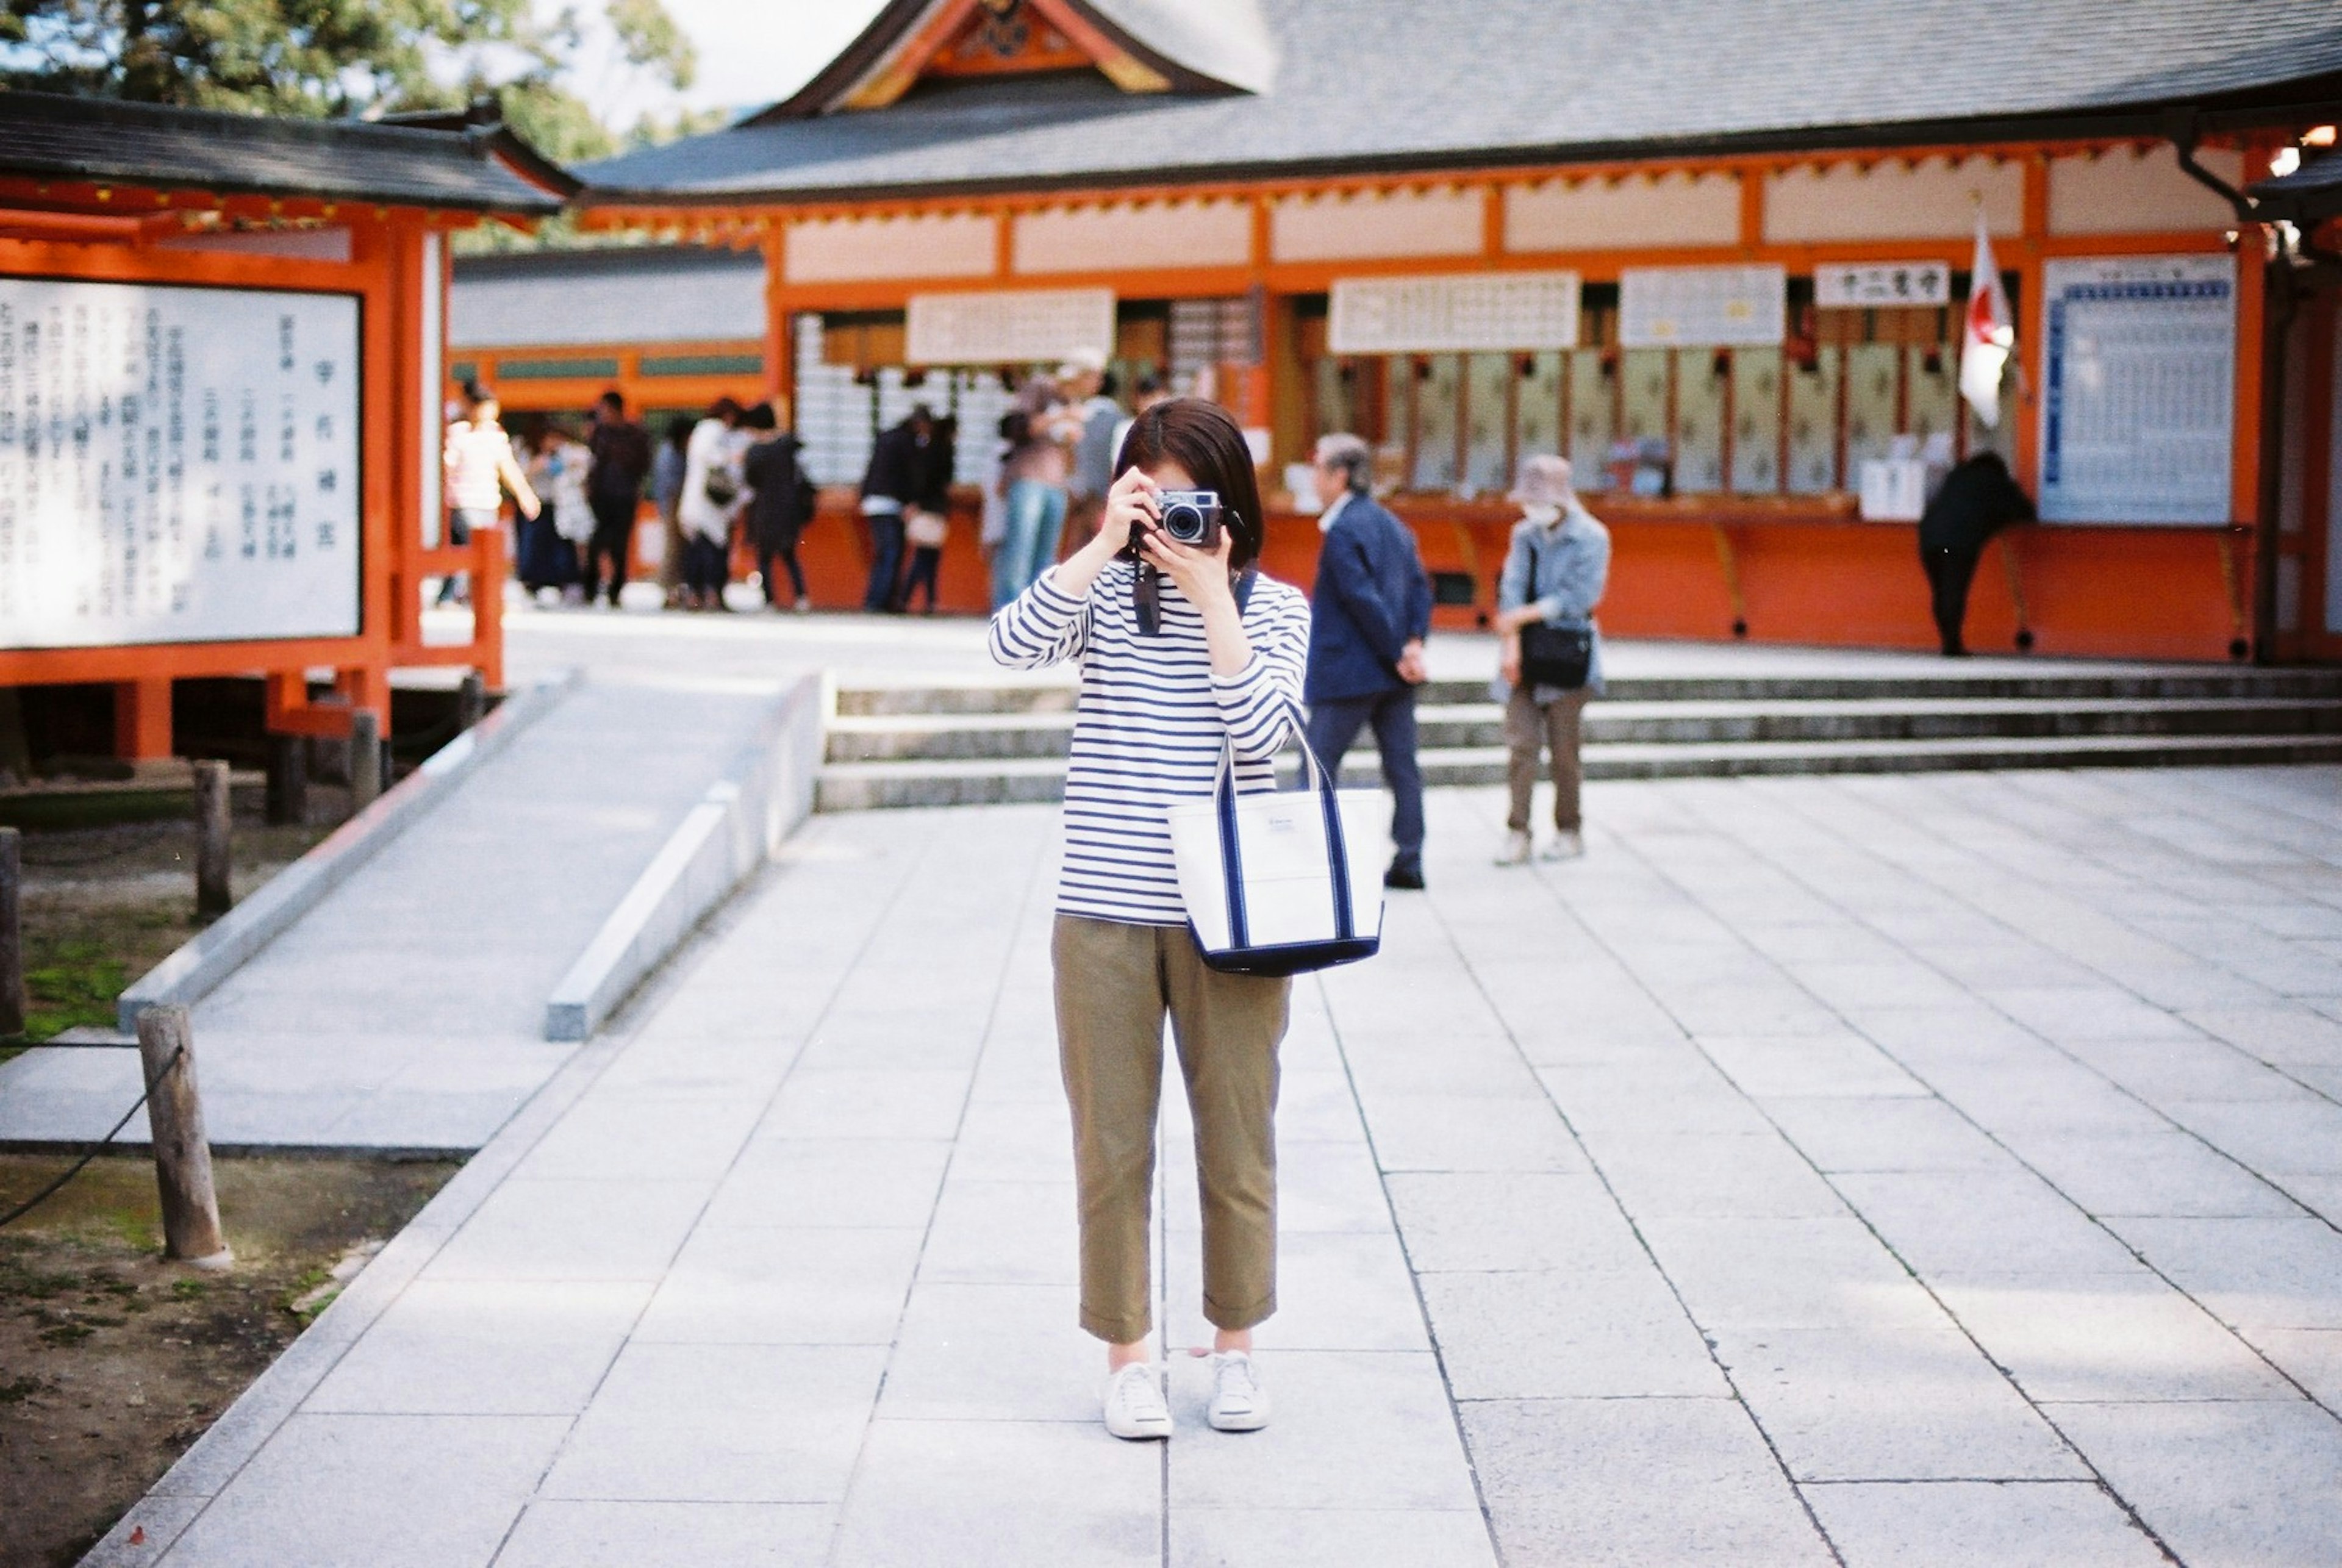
x: 1115, y: 984
x: 1531, y: 726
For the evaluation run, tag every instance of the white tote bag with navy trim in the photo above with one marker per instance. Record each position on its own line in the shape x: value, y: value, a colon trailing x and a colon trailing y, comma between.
x: 1281, y: 882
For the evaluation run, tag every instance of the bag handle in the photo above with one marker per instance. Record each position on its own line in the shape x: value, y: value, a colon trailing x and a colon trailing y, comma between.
x: 1314, y: 775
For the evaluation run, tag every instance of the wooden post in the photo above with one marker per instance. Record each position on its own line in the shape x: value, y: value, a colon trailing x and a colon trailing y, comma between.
x: 471, y: 700
x: 183, y: 1156
x: 288, y: 779
x: 13, y: 1003
x: 211, y: 825
x: 365, y: 759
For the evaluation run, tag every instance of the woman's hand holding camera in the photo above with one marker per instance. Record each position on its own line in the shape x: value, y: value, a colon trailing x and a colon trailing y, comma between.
x: 1202, y: 574
x: 1132, y: 505
x: 1131, y: 509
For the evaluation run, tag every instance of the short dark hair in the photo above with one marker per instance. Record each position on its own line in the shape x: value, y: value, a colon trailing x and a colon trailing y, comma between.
x: 724, y: 409
x: 613, y: 398
x: 761, y: 417
x: 679, y: 429
x: 1203, y: 439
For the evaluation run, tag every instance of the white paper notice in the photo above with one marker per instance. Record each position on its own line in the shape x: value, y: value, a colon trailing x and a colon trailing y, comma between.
x: 1490, y: 311
x: 1008, y: 327
x: 2137, y: 411
x: 1839, y: 286
x: 177, y: 464
x: 1702, y: 306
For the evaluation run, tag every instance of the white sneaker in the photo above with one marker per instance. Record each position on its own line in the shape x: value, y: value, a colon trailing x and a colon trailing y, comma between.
x: 1515, y: 851
x: 1135, y: 1406
x: 1567, y: 845
x: 1238, y: 1401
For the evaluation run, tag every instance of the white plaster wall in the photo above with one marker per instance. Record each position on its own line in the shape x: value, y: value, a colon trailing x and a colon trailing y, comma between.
x: 1157, y: 234
x: 1363, y: 226
x: 2126, y: 192
x: 849, y: 250
x: 1678, y: 208
x: 699, y: 305
x: 1890, y: 202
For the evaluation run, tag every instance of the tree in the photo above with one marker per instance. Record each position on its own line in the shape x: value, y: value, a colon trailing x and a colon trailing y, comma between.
x: 332, y: 58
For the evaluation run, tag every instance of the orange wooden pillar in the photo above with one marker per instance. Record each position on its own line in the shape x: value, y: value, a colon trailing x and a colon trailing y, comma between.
x: 142, y: 719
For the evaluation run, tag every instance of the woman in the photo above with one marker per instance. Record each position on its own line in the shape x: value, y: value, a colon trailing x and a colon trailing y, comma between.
x: 1554, y: 573
x: 568, y: 465
x: 710, y: 500
x: 1179, y: 660
x: 775, y: 507
x: 480, y: 467
x: 1041, y: 430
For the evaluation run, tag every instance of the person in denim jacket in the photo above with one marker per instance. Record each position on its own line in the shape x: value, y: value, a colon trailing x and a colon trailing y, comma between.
x: 1554, y: 572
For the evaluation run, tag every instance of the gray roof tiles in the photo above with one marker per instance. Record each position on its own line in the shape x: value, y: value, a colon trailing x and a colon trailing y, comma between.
x: 48, y: 136
x: 1369, y: 84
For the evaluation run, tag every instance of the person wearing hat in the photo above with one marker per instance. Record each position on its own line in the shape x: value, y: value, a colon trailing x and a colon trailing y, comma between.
x: 1369, y: 613
x: 1089, y: 390
x: 1554, y: 573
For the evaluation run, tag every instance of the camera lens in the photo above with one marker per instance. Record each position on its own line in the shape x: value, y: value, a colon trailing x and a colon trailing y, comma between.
x: 1184, y: 522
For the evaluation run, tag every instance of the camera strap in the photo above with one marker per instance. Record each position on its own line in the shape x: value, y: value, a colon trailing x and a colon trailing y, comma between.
x: 1146, y: 596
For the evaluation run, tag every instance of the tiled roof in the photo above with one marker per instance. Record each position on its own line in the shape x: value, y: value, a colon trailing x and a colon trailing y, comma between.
x: 1396, y: 83
x: 49, y: 136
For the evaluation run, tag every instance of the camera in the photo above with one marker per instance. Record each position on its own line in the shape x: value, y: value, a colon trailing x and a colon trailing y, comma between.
x: 1190, y: 516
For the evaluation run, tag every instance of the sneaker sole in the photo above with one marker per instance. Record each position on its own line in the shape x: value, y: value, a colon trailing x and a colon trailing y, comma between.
x: 1237, y: 1424
x: 1148, y: 1436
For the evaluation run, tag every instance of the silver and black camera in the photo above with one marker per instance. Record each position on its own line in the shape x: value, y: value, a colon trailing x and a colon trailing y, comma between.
x: 1190, y: 516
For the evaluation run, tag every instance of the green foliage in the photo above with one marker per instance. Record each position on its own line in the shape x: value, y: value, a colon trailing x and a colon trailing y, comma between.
x: 302, y: 58
x: 651, y: 41
x: 337, y: 58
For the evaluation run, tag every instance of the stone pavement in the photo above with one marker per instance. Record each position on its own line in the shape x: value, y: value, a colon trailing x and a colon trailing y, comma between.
x: 1935, y: 1170
x: 406, y: 1010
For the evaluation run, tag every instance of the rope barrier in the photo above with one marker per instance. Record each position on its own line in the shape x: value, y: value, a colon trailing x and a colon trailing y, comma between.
x: 51, y: 1191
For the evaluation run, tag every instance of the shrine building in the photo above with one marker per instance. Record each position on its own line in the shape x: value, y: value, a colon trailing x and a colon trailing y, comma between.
x: 1718, y: 255
x: 222, y: 365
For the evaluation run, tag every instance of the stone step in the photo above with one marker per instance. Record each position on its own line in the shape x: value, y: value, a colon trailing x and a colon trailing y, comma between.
x: 906, y: 737
x: 1055, y: 694
x: 851, y: 787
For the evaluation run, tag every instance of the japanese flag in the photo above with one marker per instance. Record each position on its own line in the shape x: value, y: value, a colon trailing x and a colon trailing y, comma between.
x: 1989, y: 336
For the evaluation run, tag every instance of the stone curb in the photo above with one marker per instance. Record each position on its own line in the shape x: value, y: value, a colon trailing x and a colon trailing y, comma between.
x: 763, y: 796
x: 198, y: 967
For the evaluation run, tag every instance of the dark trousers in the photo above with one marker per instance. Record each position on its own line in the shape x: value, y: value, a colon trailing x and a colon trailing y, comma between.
x: 926, y: 560
x: 1334, y: 723
x: 1950, y: 569
x: 885, y: 561
x: 613, y: 540
x: 705, y: 567
x: 787, y: 555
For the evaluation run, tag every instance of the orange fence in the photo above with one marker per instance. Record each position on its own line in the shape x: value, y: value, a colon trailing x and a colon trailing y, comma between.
x: 1803, y: 571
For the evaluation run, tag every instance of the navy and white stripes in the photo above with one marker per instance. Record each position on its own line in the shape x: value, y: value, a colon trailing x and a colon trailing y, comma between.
x: 1150, y: 724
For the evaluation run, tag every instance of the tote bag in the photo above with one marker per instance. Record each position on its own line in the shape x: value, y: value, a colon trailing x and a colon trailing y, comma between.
x: 1284, y: 881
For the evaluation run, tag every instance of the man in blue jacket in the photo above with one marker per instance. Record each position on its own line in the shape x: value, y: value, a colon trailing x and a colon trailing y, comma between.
x: 1367, y: 619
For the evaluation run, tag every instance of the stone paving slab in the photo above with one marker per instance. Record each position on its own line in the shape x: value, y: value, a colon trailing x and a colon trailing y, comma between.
x: 1867, y: 1171
x: 406, y: 1011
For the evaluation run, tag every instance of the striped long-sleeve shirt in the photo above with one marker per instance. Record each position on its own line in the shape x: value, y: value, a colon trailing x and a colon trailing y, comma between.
x: 1150, y: 724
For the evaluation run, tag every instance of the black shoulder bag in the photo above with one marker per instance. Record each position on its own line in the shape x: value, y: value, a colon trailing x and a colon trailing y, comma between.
x: 1553, y: 655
